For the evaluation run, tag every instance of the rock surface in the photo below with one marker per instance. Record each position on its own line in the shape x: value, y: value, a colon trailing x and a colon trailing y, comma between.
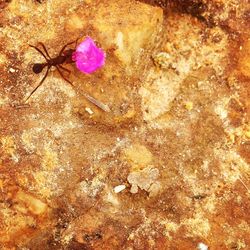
x: 162, y: 163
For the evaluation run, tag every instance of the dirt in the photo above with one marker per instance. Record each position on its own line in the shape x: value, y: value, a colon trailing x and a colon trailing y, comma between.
x: 165, y: 165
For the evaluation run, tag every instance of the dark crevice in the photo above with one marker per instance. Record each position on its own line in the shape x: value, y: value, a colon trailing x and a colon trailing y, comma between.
x: 195, y: 8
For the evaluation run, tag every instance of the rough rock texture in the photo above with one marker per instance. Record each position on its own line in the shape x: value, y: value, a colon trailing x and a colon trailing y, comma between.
x: 175, y: 131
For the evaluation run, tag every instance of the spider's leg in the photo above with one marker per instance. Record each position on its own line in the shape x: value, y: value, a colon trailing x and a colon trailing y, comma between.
x: 39, y: 51
x: 35, y: 89
x: 61, y: 74
x: 46, y: 51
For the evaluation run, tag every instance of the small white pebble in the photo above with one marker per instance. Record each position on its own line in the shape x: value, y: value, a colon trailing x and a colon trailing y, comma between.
x: 202, y: 246
x: 11, y: 70
x: 119, y: 188
x: 89, y: 110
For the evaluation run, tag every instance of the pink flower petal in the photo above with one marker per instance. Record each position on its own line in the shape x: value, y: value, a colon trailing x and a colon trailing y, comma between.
x: 88, y: 56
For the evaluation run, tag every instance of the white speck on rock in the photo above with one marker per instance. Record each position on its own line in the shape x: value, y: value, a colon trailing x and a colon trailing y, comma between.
x: 89, y: 110
x: 202, y: 246
x: 119, y: 40
x: 11, y: 70
x: 119, y: 188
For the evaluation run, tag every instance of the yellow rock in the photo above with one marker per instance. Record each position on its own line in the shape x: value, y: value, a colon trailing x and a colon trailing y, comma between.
x: 75, y: 22
x: 8, y: 145
x: 28, y: 202
x: 198, y: 225
x: 189, y: 105
x: 12, y: 223
x: 43, y: 184
x: 244, y: 61
x: 3, y: 59
x: 168, y: 47
x: 138, y: 155
x: 127, y: 37
x: 1, y: 184
x: 50, y: 159
x: 3, y: 101
x: 131, y: 34
x: 247, y: 132
x: 130, y: 114
x: 27, y: 140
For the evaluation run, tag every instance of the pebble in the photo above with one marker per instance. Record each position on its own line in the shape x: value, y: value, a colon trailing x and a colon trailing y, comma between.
x: 11, y: 70
x: 89, y: 110
x: 119, y: 188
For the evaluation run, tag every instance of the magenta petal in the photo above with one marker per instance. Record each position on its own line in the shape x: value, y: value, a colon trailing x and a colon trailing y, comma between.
x: 88, y: 56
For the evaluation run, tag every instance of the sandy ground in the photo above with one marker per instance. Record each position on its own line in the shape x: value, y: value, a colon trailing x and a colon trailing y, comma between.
x: 165, y: 165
